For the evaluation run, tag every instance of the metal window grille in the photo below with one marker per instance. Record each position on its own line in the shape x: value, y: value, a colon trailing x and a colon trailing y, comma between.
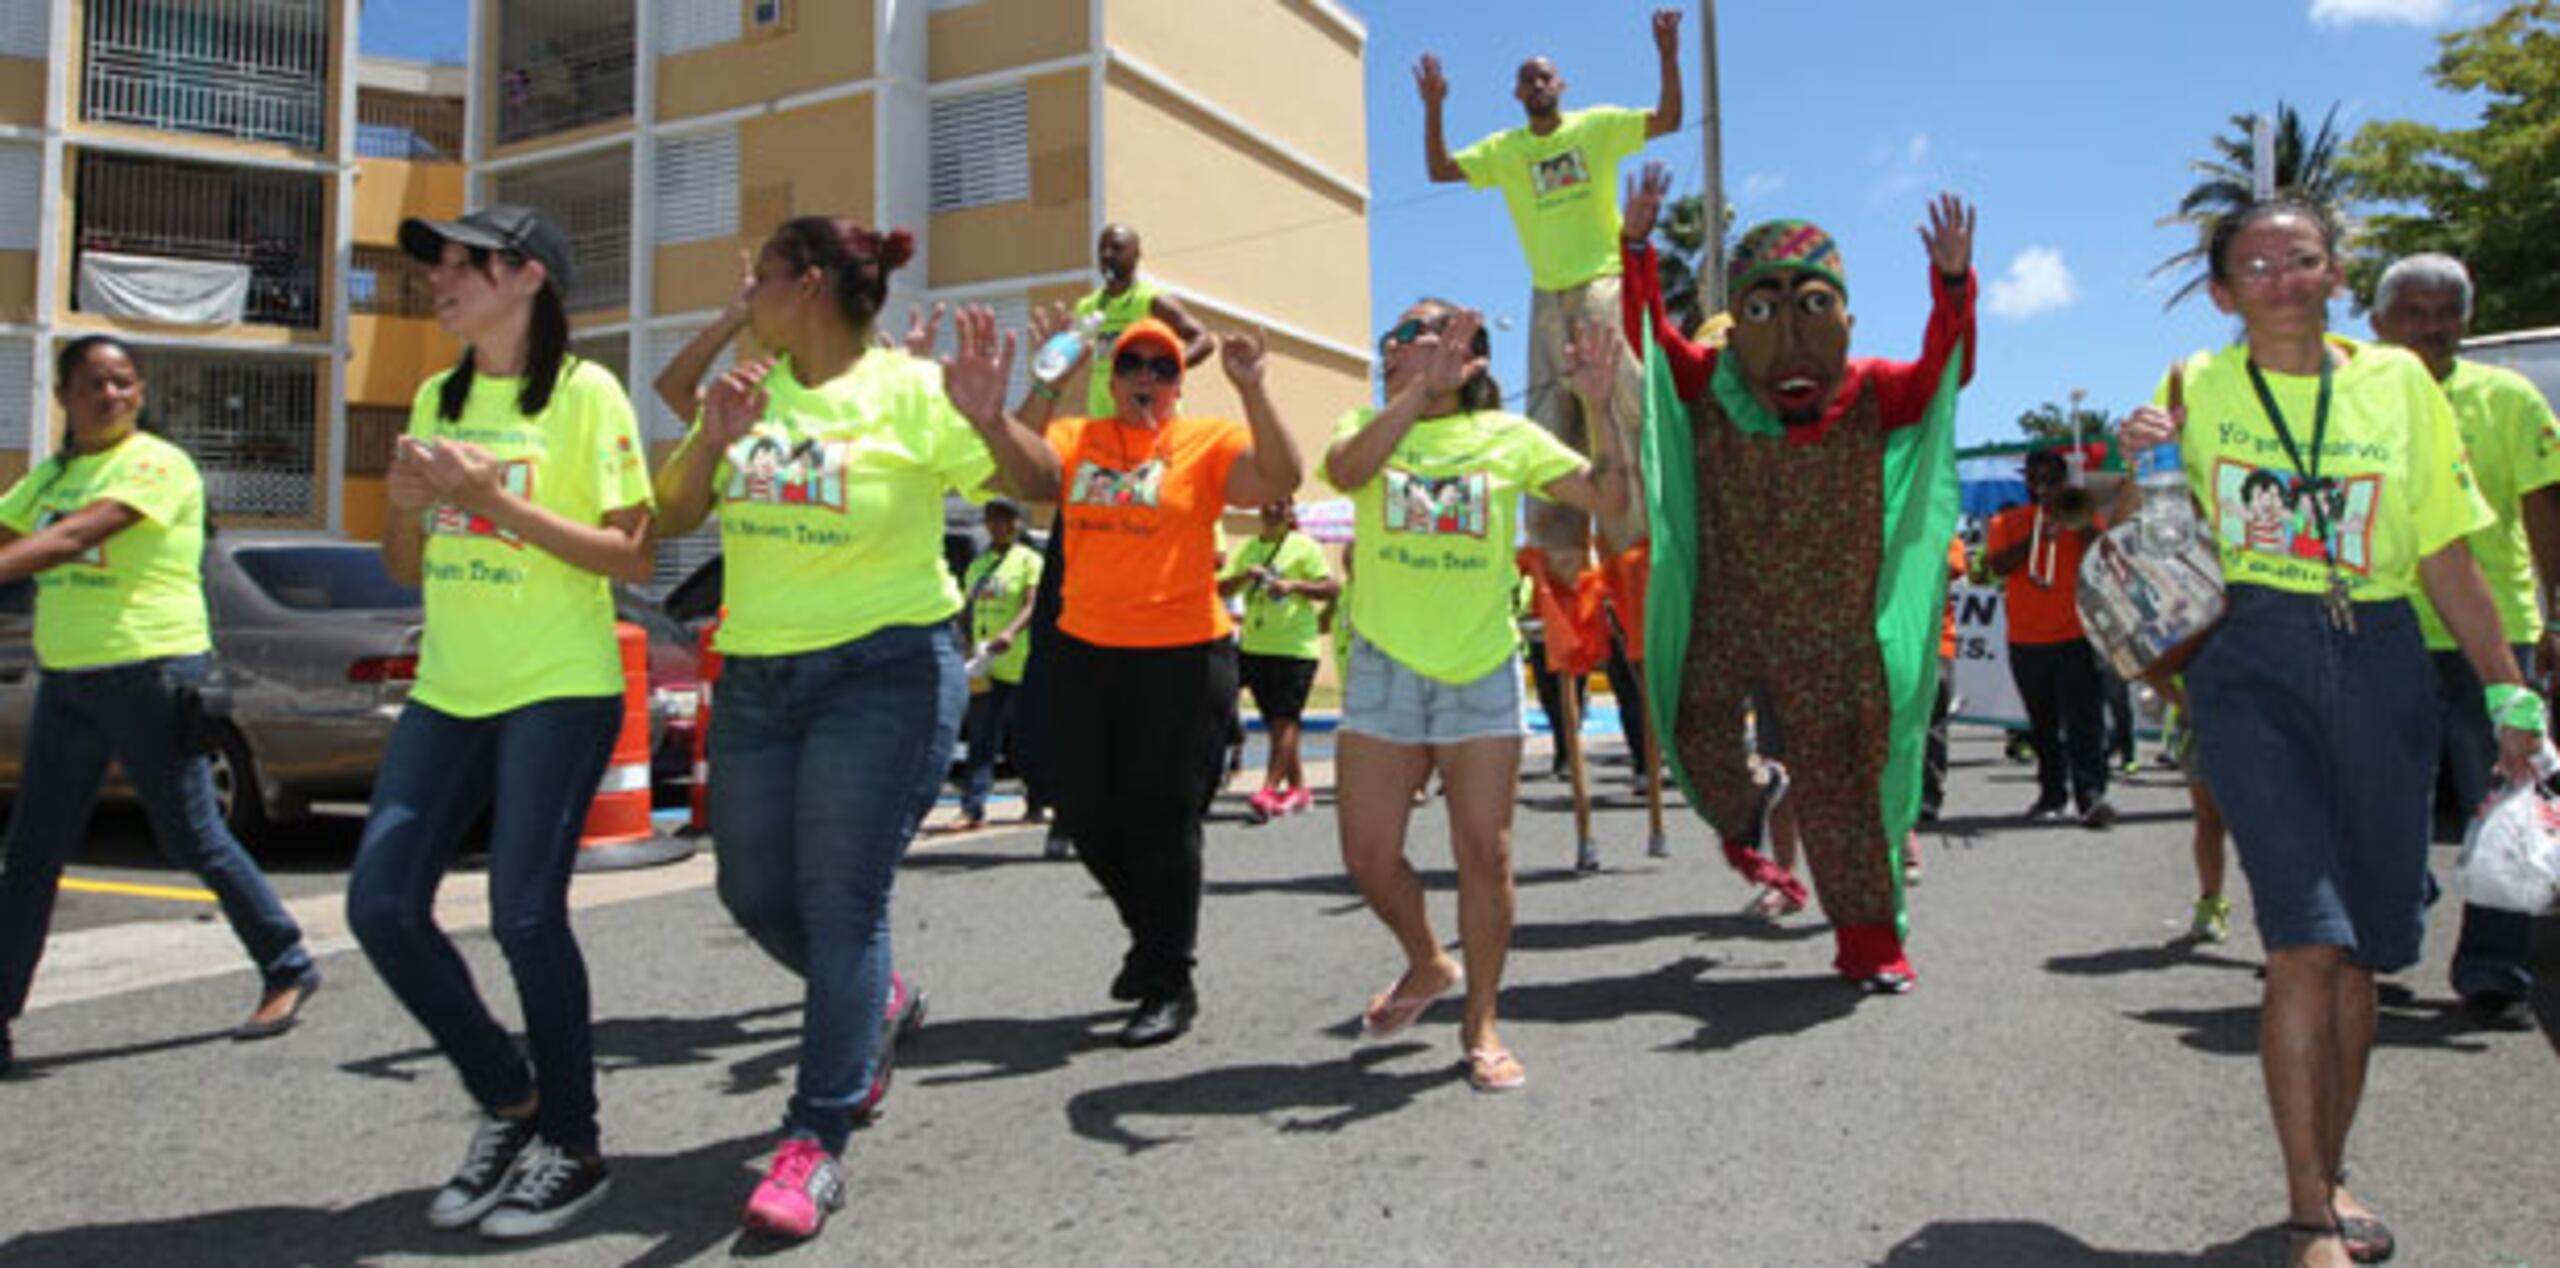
x: 408, y: 125
x: 562, y: 64
x: 613, y: 352
x: 251, y: 423
x: 698, y: 187
x: 591, y: 200
x: 17, y: 390
x: 256, y: 70
x: 939, y: 5
x: 686, y: 25
x: 21, y: 196
x: 270, y: 221
x: 387, y: 282
x: 22, y: 29
x: 981, y: 145
x: 679, y: 556
x: 373, y: 431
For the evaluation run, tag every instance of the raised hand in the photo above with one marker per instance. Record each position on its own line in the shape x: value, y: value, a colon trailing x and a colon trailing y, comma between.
x: 922, y: 330
x: 1666, y: 31
x: 1595, y: 352
x: 1046, y: 322
x: 1949, y: 235
x: 735, y: 311
x: 1645, y: 192
x: 1448, y: 355
x: 974, y: 377
x: 1427, y: 78
x: 1245, y: 359
x: 2150, y: 425
x: 733, y: 403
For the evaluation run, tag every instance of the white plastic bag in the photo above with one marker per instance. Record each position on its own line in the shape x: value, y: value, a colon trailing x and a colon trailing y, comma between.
x: 2510, y: 857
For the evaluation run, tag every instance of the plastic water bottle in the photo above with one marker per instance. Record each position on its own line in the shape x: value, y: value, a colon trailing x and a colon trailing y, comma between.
x: 2168, y: 515
x: 1059, y: 353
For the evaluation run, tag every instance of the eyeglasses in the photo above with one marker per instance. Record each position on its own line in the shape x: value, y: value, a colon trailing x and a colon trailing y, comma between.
x: 1412, y: 328
x: 2259, y: 270
x: 1165, y: 369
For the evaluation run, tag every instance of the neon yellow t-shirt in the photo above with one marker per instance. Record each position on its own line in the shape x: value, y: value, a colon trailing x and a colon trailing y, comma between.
x: 508, y: 624
x: 1000, y: 585
x: 1119, y: 312
x: 831, y: 508
x: 140, y: 594
x: 2514, y: 445
x: 2400, y: 488
x: 1285, y: 625
x: 1433, y: 535
x: 1562, y: 189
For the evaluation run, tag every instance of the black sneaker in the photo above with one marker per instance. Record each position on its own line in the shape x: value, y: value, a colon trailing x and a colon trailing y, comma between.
x: 2099, y: 817
x: 475, y: 1188
x: 1058, y: 846
x: 550, y: 1189
x: 2044, y: 812
x: 1160, y: 1020
x: 8, y: 1054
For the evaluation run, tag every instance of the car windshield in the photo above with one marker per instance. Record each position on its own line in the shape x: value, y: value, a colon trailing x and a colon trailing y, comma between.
x: 2537, y: 359
x: 325, y: 578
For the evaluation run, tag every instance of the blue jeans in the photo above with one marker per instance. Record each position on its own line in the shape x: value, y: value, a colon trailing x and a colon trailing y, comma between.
x: 823, y: 764
x: 129, y: 713
x: 535, y: 769
x: 988, y: 727
x: 2489, y: 957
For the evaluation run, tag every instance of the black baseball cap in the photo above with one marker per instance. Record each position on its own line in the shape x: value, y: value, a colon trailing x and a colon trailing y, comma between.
x: 1002, y: 506
x: 504, y: 227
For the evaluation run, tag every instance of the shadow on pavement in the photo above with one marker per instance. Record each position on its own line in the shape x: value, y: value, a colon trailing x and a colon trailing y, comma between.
x: 2019, y: 1244
x: 1003, y: 1047
x: 36, y: 1066
x: 2233, y: 1032
x: 1729, y: 1012
x: 1580, y: 935
x: 624, y: 1043
x: 685, y: 1203
x: 1335, y: 884
x: 967, y: 861
x: 1334, y: 1094
x: 2178, y: 953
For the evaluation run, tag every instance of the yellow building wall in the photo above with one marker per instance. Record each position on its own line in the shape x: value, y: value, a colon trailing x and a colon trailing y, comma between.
x: 368, y: 507
x: 18, y: 286
x: 693, y: 276
x: 1052, y: 231
x: 389, y: 191
x: 13, y: 465
x: 1223, y: 217
x: 995, y: 35
x: 1297, y: 78
x: 388, y: 357
x: 828, y: 42
x: 815, y: 161
x: 22, y: 85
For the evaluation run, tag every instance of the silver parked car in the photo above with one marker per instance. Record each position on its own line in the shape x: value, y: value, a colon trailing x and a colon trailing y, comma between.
x: 317, y: 646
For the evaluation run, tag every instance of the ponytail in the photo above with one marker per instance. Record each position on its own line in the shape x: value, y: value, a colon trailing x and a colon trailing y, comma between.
x: 856, y: 260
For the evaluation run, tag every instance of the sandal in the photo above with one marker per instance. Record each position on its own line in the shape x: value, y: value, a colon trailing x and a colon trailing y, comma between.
x: 2315, y: 1232
x: 1494, y: 1070
x: 1389, y: 1013
x: 2369, y: 1240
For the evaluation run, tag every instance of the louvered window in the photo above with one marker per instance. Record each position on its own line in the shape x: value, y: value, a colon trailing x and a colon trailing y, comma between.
x: 981, y: 148
x: 21, y: 196
x: 698, y: 187
x: 17, y: 390
x: 22, y: 29
x: 686, y: 25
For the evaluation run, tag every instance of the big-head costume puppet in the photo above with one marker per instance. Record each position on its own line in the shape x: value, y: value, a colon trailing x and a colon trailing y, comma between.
x: 1802, y: 501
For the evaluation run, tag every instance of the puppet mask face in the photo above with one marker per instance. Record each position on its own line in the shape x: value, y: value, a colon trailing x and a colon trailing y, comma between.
x: 1790, y: 340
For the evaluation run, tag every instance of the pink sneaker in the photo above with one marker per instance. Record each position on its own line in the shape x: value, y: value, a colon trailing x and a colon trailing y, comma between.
x: 797, y: 1194
x: 902, y: 1016
x: 1297, y: 801
x: 1263, y: 806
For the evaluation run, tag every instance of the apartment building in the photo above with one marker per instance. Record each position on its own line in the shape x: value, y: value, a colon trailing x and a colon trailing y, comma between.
x: 668, y: 135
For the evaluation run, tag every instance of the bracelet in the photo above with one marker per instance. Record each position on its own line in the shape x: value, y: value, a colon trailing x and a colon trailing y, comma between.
x: 2517, y: 708
x: 1045, y: 391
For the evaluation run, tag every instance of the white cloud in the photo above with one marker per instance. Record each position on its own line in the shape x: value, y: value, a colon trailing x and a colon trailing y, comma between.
x: 2038, y: 282
x: 1759, y: 185
x: 2351, y: 12
x: 1901, y: 165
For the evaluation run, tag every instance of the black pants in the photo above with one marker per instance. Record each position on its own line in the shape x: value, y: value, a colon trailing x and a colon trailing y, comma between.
x: 1623, y: 684
x: 2066, y: 715
x: 1933, y: 758
x: 2118, y: 695
x: 1139, y: 740
x: 2490, y: 953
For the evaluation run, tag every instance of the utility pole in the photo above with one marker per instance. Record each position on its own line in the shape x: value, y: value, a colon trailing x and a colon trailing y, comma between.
x: 1711, y: 296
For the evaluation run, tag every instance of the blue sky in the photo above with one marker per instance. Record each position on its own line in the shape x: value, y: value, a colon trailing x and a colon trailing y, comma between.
x: 2069, y: 124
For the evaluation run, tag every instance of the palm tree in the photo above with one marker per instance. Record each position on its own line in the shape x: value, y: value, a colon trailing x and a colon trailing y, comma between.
x: 2306, y: 169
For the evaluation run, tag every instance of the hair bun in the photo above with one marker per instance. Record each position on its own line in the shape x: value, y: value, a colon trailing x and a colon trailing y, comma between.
x: 893, y: 249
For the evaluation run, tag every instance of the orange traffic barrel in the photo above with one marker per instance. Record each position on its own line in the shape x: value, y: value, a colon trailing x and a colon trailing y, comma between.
x: 619, y: 832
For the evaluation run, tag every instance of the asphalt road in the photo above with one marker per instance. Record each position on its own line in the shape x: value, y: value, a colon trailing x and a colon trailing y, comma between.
x: 2068, y: 1086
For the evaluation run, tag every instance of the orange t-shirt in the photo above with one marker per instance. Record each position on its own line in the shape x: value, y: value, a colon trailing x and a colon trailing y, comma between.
x: 2043, y: 594
x: 1955, y: 573
x: 1141, y: 507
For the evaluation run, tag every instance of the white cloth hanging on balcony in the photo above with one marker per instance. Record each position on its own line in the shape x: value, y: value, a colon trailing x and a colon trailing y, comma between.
x: 163, y: 289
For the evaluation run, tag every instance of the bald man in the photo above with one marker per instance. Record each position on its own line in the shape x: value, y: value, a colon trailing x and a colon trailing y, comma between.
x: 1124, y: 299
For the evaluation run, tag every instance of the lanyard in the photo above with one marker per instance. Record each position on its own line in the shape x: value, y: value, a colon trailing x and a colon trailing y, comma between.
x: 2309, y: 471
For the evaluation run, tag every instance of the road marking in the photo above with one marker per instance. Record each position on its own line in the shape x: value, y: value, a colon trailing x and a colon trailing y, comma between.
x: 170, y: 893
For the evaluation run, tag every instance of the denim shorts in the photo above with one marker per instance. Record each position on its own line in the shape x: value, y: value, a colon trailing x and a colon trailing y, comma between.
x: 2322, y: 756
x: 1384, y: 698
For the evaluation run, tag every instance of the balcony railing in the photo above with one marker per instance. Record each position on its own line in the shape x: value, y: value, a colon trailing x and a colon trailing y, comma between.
x: 407, y: 125
x: 251, y: 423
x: 251, y: 70
x: 562, y: 65
x: 268, y: 221
x: 591, y: 200
x: 387, y: 282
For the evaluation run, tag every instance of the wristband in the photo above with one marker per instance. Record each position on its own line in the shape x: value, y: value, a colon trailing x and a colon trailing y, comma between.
x: 1045, y: 391
x: 2517, y: 708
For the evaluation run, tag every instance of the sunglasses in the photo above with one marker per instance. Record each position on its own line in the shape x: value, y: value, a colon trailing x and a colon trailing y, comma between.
x: 1412, y: 328
x: 1165, y: 369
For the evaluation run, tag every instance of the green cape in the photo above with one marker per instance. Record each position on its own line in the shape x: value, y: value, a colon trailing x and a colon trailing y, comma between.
x: 1920, y: 499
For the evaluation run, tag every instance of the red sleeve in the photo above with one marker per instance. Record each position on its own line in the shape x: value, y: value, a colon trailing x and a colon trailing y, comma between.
x: 1640, y: 303
x: 2002, y: 534
x: 1904, y: 390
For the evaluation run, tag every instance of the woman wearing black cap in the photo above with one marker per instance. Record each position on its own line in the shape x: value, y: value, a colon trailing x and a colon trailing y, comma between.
x: 517, y: 496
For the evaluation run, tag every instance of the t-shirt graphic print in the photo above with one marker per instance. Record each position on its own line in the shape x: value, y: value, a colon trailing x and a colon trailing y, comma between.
x: 1438, y: 506
x: 2272, y: 512
x: 764, y: 467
